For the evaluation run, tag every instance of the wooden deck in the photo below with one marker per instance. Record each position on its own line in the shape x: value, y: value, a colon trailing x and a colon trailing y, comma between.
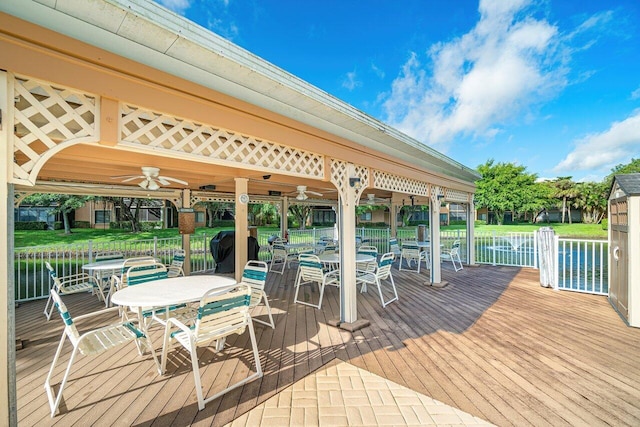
x: 493, y: 343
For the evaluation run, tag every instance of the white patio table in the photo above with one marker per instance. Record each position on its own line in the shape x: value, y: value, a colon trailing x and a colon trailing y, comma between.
x: 335, y: 258
x: 169, y: 292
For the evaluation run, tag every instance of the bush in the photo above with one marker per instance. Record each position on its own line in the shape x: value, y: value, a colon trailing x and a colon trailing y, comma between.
x: 120, y: 225
x: 605, y: 224
x: 30, y: 225
x: 150, y: 225
x: 76, y: 224
x: 479, y: 222
x: 458, y: 222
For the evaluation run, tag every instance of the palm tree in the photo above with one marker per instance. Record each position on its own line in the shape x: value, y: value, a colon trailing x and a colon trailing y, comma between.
x: 565, y: 189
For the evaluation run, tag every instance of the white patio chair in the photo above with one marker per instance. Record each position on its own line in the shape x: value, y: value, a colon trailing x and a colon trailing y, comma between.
x: 104, y: 277
x: 453, y: 255
x: 371, y: 265
x: 71, y: 284
x: 411, y: 253
x: 222, y: 312
x: 279, y: 254
x: 118, y: 278
x: 309, y: 272
x: 175, y: 268
x: 255, y: 276
x: 90, y: 343
x: 394, y: 246
x: 381, y: 273
x: 146, y: 273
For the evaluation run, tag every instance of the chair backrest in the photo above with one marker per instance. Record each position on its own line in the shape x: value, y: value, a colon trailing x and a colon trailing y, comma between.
x: 53, y: 274
x: 394, y: 246
x: 255, y: 275
x: 69, y: 326
x: 368, y: 250
x: 223, y: 312
x: 145, y: 273
x: 177, y: 262
x: 410, y: 249
x: 330, y: 248
x: 384, y: 265
x: 279, y: 250
x: 310, y: 268
x: 107, y: 256
x: 455, y: 248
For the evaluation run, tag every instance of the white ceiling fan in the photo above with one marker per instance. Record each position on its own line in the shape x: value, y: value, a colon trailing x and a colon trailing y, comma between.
x: 151, y: 178
x: 301, y: 191
x: 373, y: 200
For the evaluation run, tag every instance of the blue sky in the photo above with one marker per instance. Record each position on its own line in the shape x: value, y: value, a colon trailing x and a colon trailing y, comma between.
x: 553, y: 85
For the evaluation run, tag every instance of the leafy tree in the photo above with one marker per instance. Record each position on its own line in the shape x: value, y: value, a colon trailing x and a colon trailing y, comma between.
x: 61, y: 203
x: 508, y: 187
x: 262, y: 213
x: 129, y: 210
x: 301, y: 213
x: 631, y: 167
x: 565, y: 190
x: 216, y: 210
x: 591, y: 197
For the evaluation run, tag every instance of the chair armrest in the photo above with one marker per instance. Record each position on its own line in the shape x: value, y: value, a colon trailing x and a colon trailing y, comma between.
x: 178, y: 324
x: 78, y: 278
x: 95, y: 313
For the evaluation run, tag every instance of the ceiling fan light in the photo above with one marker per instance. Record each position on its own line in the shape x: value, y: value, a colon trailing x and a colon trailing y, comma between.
x: 301, y: 196
x: 144, y: 184
x: 153, y: 186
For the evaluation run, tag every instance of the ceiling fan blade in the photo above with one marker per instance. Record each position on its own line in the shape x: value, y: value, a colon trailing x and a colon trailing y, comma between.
x: 164, y: 180
x: 132, y: 178
x: 314, y: 192
x: 144, y: 183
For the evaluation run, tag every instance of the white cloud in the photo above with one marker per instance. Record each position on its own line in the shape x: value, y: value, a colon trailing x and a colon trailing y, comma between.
x: 604, y: 150
x: 351, y: 81
x: 472, y: 85
x: 635, y: 94
x: 178, y: 6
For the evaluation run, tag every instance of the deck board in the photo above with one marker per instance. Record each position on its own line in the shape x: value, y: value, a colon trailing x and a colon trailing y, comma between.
x: 492, y: 343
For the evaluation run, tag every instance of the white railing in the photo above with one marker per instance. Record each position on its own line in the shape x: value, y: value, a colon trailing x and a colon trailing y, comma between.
x: 583, y: 266
x: 514, y: 249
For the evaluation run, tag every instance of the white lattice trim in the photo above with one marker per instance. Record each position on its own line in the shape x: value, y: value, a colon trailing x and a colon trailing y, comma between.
x: 398, y: 184
x: 47, y: 118
x: 456, y: 196
x: 162, y: 132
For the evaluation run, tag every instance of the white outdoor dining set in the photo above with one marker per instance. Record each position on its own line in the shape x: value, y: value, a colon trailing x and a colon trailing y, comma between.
x: 194, y: 311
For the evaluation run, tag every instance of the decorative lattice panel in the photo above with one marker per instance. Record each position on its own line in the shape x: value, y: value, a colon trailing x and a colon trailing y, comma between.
x: 161, y: 132
x: 435, y: 192
x: 456, y: 196
x: 47, y: 117
x: 339, y: 176
x: 398, y: 184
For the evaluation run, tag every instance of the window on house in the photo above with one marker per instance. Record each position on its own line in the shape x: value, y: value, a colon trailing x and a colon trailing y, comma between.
x: 365, y: 216
x: 200, y: 216
x: 102, y: 217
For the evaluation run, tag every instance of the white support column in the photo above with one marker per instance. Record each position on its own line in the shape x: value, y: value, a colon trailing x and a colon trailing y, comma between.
x: 347, y: 213
x: 284, y: 225
x: 393, y: 219
x: 434, y: 228
x: 186, y: 238
x: 471, y: 247
x: 242, y: 225
x: 8, y: 409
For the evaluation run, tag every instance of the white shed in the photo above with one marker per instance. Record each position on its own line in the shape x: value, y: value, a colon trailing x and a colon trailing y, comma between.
x: 624, y: 247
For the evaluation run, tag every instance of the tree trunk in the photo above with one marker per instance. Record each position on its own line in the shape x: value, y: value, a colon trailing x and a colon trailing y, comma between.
x: 564, y: 208
x: 65, y: 220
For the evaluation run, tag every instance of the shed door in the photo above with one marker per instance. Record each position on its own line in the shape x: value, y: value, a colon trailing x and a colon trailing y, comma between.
x: 618, y: 256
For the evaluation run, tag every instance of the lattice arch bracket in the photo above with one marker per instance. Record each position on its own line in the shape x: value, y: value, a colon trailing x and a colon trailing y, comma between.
x: 46, y: 119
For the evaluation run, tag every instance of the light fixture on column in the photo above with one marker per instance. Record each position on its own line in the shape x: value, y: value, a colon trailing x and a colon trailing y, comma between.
x: 355, y: 183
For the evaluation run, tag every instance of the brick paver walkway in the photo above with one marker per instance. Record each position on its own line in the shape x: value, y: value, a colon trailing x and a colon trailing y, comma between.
x: 342, y: 394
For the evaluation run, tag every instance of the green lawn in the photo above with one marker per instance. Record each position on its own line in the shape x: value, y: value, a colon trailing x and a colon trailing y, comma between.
x: 38, y: 238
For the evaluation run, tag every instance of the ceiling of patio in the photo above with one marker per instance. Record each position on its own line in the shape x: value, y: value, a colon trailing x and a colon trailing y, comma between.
x: 88, y: 163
